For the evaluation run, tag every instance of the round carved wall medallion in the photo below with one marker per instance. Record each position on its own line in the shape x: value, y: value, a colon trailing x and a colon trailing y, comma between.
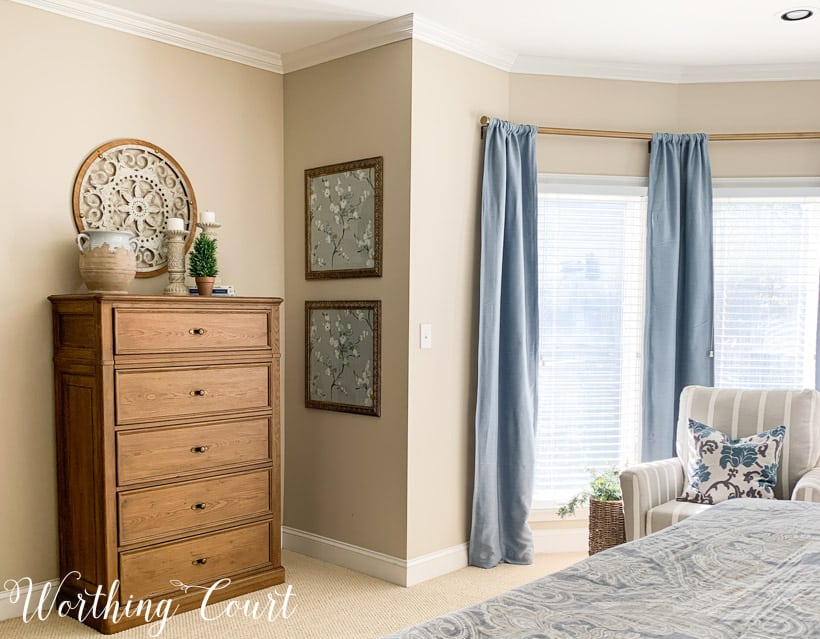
x: 133, y: 185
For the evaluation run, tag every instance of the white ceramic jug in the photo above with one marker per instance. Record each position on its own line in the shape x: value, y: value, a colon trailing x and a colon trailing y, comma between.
x: 108, y: 260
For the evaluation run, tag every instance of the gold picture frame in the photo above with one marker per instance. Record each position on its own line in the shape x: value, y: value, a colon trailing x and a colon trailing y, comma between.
x: 343, y: 356
x: 343, y: 219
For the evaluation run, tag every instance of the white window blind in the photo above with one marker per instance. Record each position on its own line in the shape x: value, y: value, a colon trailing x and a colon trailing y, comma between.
x: 767, y: 270
x: 591, y: 291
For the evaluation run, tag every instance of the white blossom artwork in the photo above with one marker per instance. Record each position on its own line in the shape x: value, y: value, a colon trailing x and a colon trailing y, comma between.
x: 343, y: 207
x: 342, y: 356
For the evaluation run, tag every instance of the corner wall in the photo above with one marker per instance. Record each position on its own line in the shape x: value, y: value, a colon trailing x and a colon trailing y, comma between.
x: 450, y: 94
x: 346, y: 474
x: 68, y: 87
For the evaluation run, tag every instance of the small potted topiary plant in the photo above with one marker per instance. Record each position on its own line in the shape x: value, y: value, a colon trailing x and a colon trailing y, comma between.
x: 202, y: 264
x: 606, y: 515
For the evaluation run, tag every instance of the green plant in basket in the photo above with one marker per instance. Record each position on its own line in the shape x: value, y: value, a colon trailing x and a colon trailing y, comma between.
x: 604, y: 486
x: 202, y: 259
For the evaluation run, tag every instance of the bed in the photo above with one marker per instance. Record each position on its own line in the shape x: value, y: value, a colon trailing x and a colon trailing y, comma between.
x: 744, y: 569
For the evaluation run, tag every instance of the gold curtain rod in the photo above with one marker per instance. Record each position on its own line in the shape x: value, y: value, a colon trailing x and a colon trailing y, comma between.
x: 632, y: 135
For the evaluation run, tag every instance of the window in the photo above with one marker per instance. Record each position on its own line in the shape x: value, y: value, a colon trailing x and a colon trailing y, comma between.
x: 767, y: 268
x: 591, y: 268
x: 591, y: 243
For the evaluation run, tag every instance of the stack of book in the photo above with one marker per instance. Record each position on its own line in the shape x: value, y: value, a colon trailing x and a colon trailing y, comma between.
x: 221, y: 289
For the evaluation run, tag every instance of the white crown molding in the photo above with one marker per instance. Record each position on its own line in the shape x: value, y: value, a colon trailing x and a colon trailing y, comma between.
x: 481, y: 51
x: 396, y: 30
x: 377, y: 35
x: 144, y: 26
x: 536, y: 65
x: 672, y: 74
x: 750, y: 73
x: 403, y: 28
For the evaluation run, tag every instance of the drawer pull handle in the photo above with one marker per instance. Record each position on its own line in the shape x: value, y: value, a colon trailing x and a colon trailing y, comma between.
x: 200, y: 506
x: 200, y: 562
x: 199, y: 449
x: 199, y: 392
x: 198, y: 331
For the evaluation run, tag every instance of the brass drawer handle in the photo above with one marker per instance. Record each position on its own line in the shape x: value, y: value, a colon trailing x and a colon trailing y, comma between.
x: 200, y: 506
x: 199, y: 449
x: 200, y: 562
x: 198, y: 331
x: 199, y: 392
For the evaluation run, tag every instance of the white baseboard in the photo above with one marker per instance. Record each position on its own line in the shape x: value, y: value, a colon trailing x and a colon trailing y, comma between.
x: 554, y: 540
x: 9, y: 610
x: 356, y: 558
x: 436, y: 564
x: 404, y: 572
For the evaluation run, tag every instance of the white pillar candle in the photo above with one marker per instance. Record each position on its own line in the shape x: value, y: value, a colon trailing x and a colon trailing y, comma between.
x: 207, y: 217
x: 175, y: 224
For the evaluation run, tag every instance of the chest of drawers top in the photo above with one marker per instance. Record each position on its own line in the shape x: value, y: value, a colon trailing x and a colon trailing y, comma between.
x: 98, y: 326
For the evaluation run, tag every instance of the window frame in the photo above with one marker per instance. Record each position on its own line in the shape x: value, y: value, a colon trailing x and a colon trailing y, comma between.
x: 633, y: 185
x: 615, y: 185
x: 768, y: 187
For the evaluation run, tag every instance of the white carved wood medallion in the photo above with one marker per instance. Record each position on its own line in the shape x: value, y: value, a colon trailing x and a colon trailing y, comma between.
x: 133, y: 185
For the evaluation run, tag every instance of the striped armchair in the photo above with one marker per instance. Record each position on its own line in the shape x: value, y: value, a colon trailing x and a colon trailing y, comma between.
x: 650, y: 489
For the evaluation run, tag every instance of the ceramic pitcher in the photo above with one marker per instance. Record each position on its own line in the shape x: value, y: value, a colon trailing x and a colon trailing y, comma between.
x: 108, y: 260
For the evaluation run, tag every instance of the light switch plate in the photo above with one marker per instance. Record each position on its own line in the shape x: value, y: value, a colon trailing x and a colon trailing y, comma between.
x: 426, y: 336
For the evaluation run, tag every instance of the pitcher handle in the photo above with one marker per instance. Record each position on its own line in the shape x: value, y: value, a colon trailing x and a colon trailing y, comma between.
x: 80, y: 244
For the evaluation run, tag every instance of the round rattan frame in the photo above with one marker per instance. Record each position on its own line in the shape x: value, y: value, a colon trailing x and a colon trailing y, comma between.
x: 134, y: 185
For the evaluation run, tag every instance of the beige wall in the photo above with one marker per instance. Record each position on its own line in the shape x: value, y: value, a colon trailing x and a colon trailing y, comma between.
x: 584, y: 103
x: 450, y: 94
x: 647, y: 106
x: 67, y: 88
x: 751, y: 107
x: 345, y: 474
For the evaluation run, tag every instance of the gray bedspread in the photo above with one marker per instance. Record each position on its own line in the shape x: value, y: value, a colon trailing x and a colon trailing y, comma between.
x: 744, y: 569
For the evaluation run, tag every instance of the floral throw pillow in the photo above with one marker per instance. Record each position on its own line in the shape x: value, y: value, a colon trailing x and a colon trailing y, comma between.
x: 722, y: 468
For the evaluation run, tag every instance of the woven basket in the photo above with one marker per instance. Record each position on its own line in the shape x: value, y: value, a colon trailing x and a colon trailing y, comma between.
x: 606, y: 525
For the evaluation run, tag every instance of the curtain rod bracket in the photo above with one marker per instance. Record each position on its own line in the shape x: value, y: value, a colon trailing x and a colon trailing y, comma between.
x: 485, y: 121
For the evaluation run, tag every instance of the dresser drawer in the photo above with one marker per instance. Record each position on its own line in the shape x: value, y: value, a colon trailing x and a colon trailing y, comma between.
x: 165, y: 331
x: 165, y: 510
x: 159, y: 453
x: 145, y: 395
x: 200, y: 560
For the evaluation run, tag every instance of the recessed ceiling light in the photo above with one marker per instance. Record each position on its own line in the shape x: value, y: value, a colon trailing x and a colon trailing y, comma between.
x: 793, y: 15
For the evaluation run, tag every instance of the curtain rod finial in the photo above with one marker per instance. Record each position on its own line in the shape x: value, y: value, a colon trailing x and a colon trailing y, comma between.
x: 484, y: 120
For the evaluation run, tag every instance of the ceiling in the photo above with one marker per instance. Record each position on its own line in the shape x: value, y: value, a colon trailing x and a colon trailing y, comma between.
x: 630, y: 32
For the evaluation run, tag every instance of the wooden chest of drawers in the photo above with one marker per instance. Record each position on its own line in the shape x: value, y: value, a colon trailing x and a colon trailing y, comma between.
x: 167, y: 413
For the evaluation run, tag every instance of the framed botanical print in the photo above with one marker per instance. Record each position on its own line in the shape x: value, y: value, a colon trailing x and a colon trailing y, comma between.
x: 343, y: 356
x: 343, y: 220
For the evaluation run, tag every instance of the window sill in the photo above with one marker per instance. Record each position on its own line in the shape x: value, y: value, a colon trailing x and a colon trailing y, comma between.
x: 551, y: 514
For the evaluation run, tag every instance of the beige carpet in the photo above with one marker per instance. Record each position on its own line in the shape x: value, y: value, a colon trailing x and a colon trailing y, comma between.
x: 328, y: 602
